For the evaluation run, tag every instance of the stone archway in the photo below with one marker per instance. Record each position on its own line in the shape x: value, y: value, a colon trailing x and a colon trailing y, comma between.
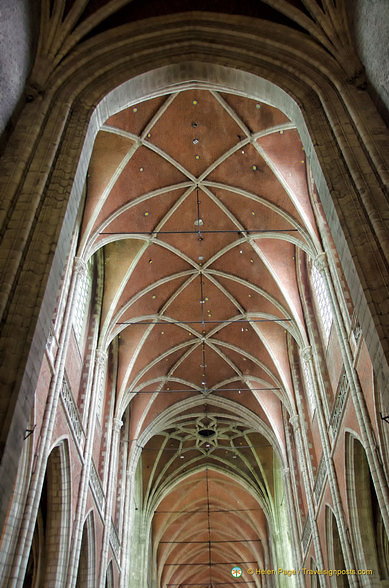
x: 57, y: 122
x: 367, y: 529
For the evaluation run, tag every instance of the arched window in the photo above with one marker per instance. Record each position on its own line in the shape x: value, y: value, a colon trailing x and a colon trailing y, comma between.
x: 322, y: 301
x: 101, y: 392
x: 308, y: 384
x: 82, y: 303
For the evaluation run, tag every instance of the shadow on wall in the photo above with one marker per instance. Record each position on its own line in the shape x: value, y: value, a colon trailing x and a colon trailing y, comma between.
x: 371, y: 32
x: 19, y: 24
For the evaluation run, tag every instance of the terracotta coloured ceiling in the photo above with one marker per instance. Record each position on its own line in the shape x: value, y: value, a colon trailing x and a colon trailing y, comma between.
x: 199, y: 202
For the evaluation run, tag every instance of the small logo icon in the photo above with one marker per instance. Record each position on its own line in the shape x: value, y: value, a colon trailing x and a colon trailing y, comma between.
x: 236, y: 572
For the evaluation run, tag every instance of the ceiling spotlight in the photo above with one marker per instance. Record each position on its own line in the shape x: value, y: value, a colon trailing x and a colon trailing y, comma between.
x: 195, y: 141
x: 201, y: 257
x: 257, y: 105
x: 198, y: 222
x: 195, y: 102
x: 135, y: 109
x: 194, y: 125
x: 181, y: 457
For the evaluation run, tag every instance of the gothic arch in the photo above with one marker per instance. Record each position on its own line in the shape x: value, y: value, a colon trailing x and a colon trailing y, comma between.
x: 48, y: 554
x: 70, y: 92
x: 334, y: 550
x: 366, y: 524
x: 86, y: 573
x: 109, y: 579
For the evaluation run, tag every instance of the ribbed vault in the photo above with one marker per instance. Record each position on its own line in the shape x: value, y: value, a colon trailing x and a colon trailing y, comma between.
x: 200, y: 202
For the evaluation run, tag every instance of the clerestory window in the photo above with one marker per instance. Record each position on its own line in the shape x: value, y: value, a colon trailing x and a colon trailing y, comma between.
x: 308, y: 386
x: 82, y: 304
x: 322, y: 302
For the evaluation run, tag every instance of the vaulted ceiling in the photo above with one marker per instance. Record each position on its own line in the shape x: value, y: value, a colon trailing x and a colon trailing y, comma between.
x: 199, y: 200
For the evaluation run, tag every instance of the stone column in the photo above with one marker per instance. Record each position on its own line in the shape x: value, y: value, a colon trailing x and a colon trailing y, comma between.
x: 330, y: 468
x: 117, y: 425
x: 100, y: 359
x: 294, y: 421
x: 359, y: 402
x: 131, y: 526
x: 33, y: 498
x: 296, y: 546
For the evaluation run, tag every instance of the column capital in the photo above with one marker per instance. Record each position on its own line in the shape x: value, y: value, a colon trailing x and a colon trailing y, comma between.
x: 285, y: 472
x: 101, y: 357
x: 320, y: 262
x: 306, y: 353
x: 117, y: 424
x: 80, y: 266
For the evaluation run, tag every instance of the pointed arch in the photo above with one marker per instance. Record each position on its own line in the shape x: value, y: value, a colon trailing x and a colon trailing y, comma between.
x: 86, y: 575
x: 334, y: 550
x: 109, y: 579
x: 48, y: 554
x: 371, y: 543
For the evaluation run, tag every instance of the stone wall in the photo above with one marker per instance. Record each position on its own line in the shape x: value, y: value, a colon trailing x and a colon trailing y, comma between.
x: 18, y: 24
x: 371, y: 31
